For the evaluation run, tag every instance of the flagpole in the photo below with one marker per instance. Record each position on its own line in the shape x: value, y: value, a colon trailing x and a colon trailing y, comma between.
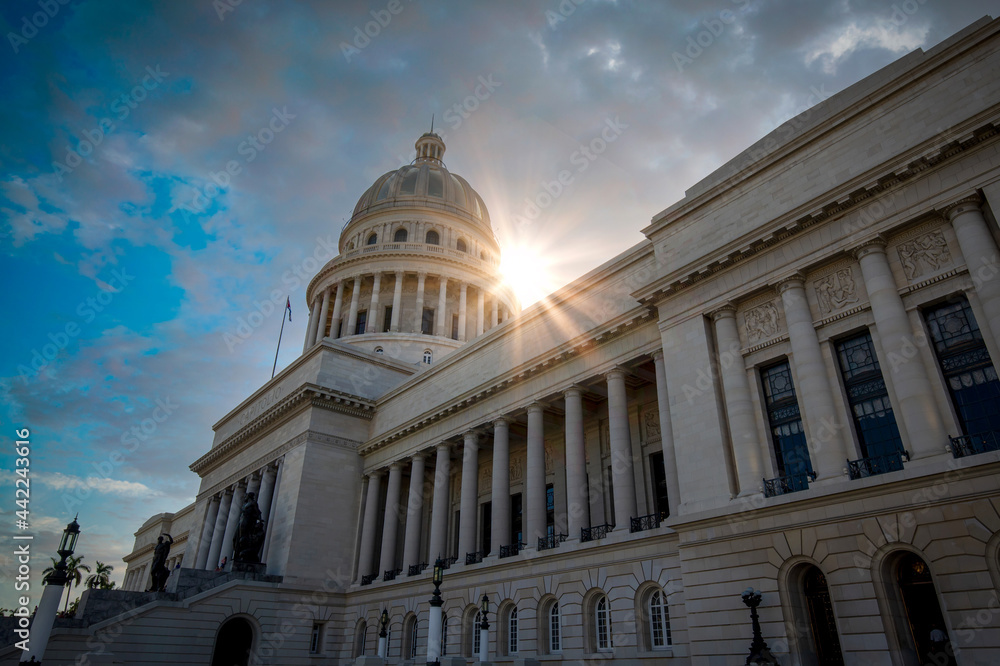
x: 283, y: 312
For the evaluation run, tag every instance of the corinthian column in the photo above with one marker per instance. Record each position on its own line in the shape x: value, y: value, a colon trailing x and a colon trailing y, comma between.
x: 980, y: 252
x: 439, y: 510
x: 577, y: 494
x: 335, y: 323
x: 470, y: 495
x: 352, y: 316
x: 390, y: 524
x: 414, y: 512
x: 418, y: 316
x: 205, y: 543
x: 621, y: 450
x: 463, y: 298
x: 372, y: 324
x: 323, y: 312
x: 500, y: 519
x: 442, y: 304
x: 366, y: 558
x: 480, y: 307
x: 397, y: 302
x: 534, y: 480
x: 666, y: 433
x: 916, y: 407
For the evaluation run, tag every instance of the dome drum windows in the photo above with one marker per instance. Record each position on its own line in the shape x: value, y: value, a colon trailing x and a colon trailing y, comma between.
x: 432, y: 238
x: 372, y: 239
x: 400, y: 236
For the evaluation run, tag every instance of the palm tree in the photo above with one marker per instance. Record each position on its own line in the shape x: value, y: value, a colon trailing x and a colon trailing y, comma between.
x: 74, y: 567
x: 101, y: 577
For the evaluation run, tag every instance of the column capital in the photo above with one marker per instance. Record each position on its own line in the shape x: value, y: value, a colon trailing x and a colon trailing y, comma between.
x: 419, y: 455
x: 444, y: 446
x: 470, y: 436
x: 964, y: 205
x: 573, y: 389
x: 399, y: 274
x: 536, y: 407
x: 657, y: 354
x: 502, y: 420
x: 395, y: 466
x: 793, y: 281
x: 375, y: 473
x: 875, y: 244
x: 422, y: 274
x: 726, y: 311
x: 616, y: 372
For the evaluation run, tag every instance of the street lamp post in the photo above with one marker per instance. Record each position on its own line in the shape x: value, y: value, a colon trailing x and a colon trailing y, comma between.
x: 45, y: 617
x: 759, y: 652
x: 383, y: 634
x: 434, y: 623
x: 484, y: 630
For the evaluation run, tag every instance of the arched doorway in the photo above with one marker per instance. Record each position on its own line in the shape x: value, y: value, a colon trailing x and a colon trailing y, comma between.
x: 233, y: 643
x: 921, y: 609
x: 821, y: 619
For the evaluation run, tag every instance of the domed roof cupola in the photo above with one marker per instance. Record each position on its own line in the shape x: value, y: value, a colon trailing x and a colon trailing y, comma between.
x: 430, y: 147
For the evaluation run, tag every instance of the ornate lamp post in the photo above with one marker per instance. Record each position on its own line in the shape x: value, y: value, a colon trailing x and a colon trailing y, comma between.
x: 383, y: 634
x: 41, y: 628
x: 434, y: 624
x: 759, y: 652
x: 484, y: 630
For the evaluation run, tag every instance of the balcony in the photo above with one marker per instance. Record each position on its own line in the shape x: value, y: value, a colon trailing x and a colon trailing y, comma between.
x: 511, y: 550
x: 416, y: 569
x: 643, y: 523
x: 875, y: 465
x: 970, y: 445
x: 448, y: 561
x: 782, y: 485
x: 551, y: 541
x: 474, y: 558
x: 368, y: 579
x: 595, y: 532
x: 391, y: 574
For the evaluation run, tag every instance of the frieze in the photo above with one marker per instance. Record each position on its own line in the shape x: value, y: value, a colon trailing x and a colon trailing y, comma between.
x: 651, y: 423
x: 924, y: 254
x: 516, y: 470
x: 836, y: 291
x: 486, y: 479
x: 761, y: 322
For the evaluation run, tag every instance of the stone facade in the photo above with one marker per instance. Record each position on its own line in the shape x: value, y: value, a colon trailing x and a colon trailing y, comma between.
x: 776, y: 389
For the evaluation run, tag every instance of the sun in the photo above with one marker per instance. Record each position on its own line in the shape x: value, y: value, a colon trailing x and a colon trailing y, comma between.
x: 526, y: 271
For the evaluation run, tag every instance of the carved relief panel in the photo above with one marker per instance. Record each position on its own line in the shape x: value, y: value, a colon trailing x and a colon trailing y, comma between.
x: 516, y: 469
x: 924, y: 254
x: 651, y: 423
x: 761, y: 323
x: 837, y: 291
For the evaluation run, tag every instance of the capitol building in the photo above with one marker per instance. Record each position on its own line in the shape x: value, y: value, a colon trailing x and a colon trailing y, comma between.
x: 789, y: 384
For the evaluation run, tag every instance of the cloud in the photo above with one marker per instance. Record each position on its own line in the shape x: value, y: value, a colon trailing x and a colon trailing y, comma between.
x: 105, y: 486
x: 836, y: 46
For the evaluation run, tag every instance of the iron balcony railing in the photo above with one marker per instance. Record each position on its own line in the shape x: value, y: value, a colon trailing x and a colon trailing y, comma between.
x: 391, y: 574
x: 783, y: 485
x: 643, y: 523
x: 416, y: 569
x: 551, y: 541
x: 875, y: 465
x: 511, y: 550
x: 448, y: 561
x: 368, y: 579
x: 474, y: 558
x: 970, y: 445
x: 595, y: 532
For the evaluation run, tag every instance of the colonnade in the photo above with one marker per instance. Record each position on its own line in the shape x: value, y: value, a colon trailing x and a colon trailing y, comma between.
x: 535, y: 525
x: 328, y: 306
x: 223, y: 514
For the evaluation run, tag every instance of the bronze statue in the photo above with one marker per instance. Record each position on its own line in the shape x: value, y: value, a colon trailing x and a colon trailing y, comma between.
x: 158, y: 570
x: 249, y: 535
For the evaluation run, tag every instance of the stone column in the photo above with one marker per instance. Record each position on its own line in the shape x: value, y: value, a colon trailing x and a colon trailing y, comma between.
x: 621, y: 450
x: 311, y: 326
x: 666, y: 433
x: 917, y: 407
x: 494, y: 312
x: 338, y: 301
x: 747, y: 449
x: 439, y: 508
x: 534, y: 478
x: 442, y: 304
x: 480, y: 306
x: 271, y: 511
x: 418, y: 316
x: 372, y: 324
x: 352, y: 315
x: 577, y: 493
x: 414, y: 512
x: 980, y: 252
x: 397, y: 302
x: 266, y: 492
x: 205, y: 543
x: 824, y: 424
x: 234, y: 519
x: 253, y: 485
x: 219, y: 531
x: 463, y: 299
x: 501, y: 484
x: 323, y: 312
x: 390, y: 525
x: 366, y: 558
x: 470, y: 495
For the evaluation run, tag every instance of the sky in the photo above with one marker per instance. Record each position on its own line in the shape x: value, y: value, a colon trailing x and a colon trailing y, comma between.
x: 165, y: 168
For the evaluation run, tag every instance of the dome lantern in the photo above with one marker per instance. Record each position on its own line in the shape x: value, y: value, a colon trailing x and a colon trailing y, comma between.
x: 430, y: 148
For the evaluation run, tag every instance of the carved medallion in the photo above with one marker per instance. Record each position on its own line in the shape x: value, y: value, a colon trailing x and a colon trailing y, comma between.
x: 836, y: 290
x: 761, y: 322
x: 924, y: 254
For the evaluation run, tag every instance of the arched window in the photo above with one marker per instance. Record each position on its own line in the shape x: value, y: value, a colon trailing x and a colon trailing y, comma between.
x: 460, y: 246
x: 916, y: 613
x: 379, y: 350
x: 444, y: 635
x: 432, y: 238
x: 372, y: 239
x: 602, y: 624
x: 409, y: 642
x: 428, y: 356
x: 476, y: 625
x: 659, y: 621
x: 555, y: 629
x: 234, y: 643
x: 399, y: 236
x: 350, y: 245
x: 360, y: 636
x: 512, y: 632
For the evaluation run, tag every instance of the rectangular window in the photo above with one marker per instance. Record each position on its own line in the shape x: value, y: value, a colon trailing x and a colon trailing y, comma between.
x: 316, y: 640
x: 454, y: 545
x: 869, y: 401
x: 550, y: 510
x: 787, y: 435
x: 387, y: 322
x: 516, y: 530
x: 609, y: 496
x: 486, y: 521
x: 966, y: 366
x: 427, y: 322
x: 659, y: 477
x: 362, y: 322
x: 454, y: 327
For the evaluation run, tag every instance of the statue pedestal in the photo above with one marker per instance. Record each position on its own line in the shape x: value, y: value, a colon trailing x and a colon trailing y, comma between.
x: 246, y: 567
x: 369, y: 661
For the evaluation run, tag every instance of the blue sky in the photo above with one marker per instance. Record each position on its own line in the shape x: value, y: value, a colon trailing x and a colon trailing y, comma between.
x: 130, y: 254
